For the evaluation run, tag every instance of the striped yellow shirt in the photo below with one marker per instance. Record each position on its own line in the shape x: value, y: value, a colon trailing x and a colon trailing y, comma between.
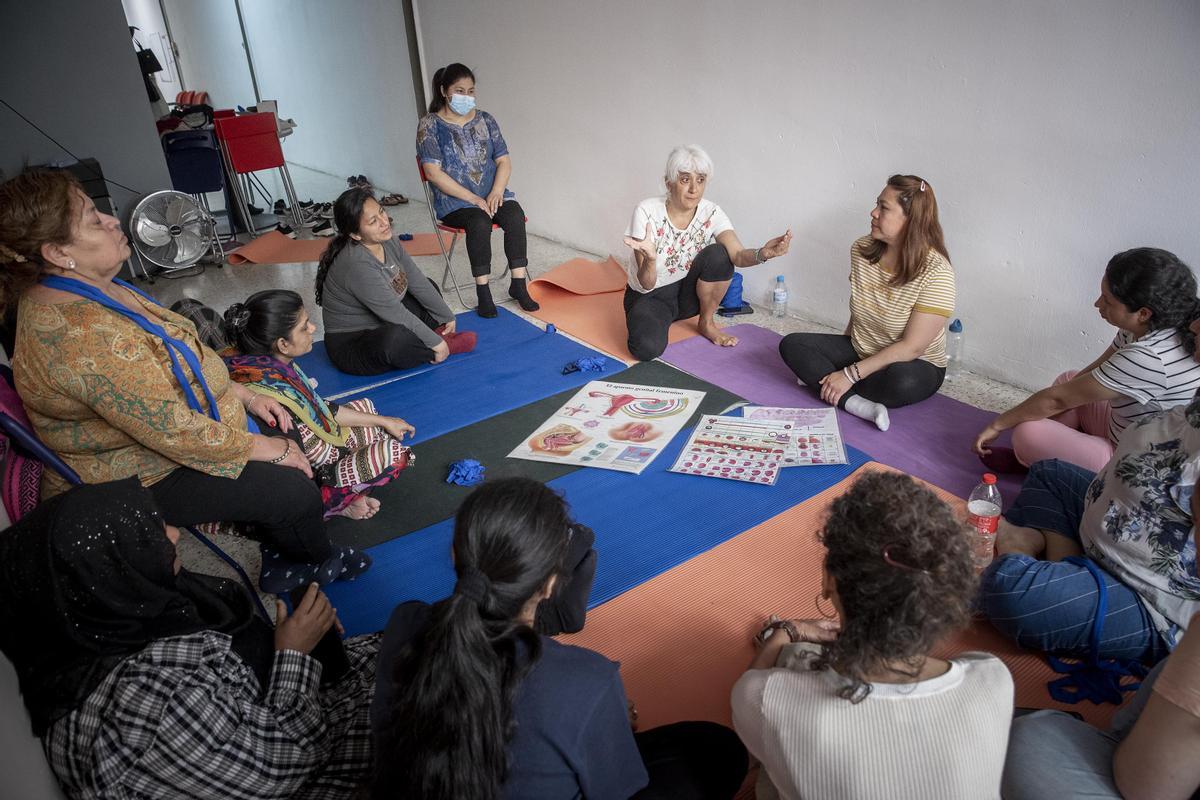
x: 879, y: 312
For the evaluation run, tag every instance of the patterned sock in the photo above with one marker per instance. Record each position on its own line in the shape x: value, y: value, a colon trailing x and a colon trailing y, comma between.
x: 519, y: 292
x: 487, y: 307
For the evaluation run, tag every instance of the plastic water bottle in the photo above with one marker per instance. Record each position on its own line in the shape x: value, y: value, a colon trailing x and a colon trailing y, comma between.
x: 779, y: 298
x: 983, y: 515
x: 954, y: 347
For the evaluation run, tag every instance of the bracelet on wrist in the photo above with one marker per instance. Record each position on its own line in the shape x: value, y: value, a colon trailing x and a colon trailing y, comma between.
x: 784, y: 625
x: 848, y: 375
x: 758, y: 256
x: 857, y: 374
x: 287, y: 451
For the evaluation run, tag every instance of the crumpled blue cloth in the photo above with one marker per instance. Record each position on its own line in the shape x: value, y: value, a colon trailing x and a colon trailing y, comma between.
x: 585, y: 364
x: 467, y: 472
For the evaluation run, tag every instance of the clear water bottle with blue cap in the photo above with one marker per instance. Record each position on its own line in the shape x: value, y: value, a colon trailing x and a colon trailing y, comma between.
x: 954, y: 349
x: 779, y: 298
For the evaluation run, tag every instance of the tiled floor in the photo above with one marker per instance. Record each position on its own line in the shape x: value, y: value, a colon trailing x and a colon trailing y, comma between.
x: 221, y: 287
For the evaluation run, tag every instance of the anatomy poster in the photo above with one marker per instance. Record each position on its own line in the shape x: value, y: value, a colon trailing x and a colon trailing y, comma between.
x: 612, y: 426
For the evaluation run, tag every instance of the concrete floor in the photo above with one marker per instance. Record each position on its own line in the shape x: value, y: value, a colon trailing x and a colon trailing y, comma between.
x: 221, y: 287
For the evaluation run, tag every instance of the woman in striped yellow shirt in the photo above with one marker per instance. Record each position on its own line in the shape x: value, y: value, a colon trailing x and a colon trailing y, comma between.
x: 893, y: 352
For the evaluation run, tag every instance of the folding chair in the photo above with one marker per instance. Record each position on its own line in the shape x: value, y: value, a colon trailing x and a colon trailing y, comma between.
x: 250, y: 143
x: 194, y: 161
x: 32, y: 445
x: 448, y: 281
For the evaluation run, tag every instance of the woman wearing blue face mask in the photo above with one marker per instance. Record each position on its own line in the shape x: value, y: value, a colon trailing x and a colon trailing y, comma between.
x: 466, y: 159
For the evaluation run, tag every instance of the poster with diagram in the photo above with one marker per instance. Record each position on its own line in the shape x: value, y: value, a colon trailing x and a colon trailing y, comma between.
x: 609, y: 425
x: 816, y: 438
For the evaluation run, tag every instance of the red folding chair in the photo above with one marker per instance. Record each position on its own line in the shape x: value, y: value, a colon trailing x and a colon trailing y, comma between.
x: 250, y: 143
x: 439, y: 227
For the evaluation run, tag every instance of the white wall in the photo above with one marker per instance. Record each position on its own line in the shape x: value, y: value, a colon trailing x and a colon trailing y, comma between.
x: 70, y: 67
x: 211, y: 54
x: 342, y: 71
x: 146, y: 15
x: 1055, y: 133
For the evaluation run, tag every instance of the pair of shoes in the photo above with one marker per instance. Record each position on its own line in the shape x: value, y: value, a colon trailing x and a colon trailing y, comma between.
x: 358, y: 182
x: 253, y: 209
x: 281, y: 207
x: 393, y: 200
x: 280, y: 576
x: 459, y: 341
x: 286, y: 230
x: 323, y: 228
x: 327, y: 210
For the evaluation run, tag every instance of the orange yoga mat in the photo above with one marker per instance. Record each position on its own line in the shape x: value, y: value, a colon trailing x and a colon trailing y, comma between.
x: 584, y: 298
x: 683, y: 638
x: 275, y: 248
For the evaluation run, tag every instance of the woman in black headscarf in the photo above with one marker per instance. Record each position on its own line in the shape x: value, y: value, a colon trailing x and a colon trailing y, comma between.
x: 145, y: 679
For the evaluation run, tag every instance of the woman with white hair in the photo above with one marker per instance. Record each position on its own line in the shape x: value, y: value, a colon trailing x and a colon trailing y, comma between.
x: 684, y: 253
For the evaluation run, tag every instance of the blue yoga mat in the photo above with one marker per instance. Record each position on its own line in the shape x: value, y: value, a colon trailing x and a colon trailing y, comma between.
x: 447, y: 398
x: 645, y: 525
x: 494, y: 336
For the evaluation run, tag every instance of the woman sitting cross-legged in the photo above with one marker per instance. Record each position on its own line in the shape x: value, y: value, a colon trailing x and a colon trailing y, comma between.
x: 861, y: 709
x: 119, y: 386
x: 350, y: 447
x: 1149, y: 295
x: 466, y: 160
x: 1133, y: 520
x: 684, y: 253
x: 381, y: 313
x: 472, y: 703
x: 146, y: 680
x: 893, y: 352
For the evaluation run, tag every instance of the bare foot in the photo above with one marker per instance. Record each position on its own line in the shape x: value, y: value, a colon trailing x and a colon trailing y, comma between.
x: 711, y: 331
x: 363, y: 507
x: 1016, y: 539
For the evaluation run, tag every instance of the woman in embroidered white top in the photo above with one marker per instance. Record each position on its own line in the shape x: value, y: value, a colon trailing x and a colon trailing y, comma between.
x: 684, y: 253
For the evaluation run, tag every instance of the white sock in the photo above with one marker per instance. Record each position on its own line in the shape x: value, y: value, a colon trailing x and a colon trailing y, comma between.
x: 863, y: 408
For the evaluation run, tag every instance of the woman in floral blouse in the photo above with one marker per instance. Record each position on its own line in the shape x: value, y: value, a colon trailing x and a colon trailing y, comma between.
x: 684, y: 252
x: 1133, y: 522
x: 466, y: 159
x: 119, y: 386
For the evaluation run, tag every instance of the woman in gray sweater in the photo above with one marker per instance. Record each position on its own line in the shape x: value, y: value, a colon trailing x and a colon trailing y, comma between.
x: 381, y: 313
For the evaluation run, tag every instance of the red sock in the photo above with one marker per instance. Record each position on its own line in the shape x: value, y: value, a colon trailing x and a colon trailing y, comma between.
x: 459, y: 342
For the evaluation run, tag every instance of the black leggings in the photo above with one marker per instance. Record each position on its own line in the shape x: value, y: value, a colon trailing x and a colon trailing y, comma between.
x: 692, y: 761
x: 478, y: 225
x: 383, y: 349
x: 282, y: 504
x: 649, y: 315
x: 812, y: 356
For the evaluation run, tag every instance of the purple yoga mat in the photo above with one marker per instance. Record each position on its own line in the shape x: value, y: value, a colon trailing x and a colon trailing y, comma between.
x: 930, y: 440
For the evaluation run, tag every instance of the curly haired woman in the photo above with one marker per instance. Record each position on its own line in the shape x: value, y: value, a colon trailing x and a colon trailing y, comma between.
x: 862, y: 709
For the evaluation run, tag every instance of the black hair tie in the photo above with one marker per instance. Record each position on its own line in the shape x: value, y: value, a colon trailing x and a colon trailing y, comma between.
x: 473, y: 585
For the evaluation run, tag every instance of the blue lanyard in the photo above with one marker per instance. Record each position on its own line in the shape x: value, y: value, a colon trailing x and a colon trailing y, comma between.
x: 174, y: 346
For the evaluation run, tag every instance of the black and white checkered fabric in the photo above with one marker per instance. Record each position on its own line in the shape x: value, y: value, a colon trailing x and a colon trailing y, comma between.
x: 187, y: 718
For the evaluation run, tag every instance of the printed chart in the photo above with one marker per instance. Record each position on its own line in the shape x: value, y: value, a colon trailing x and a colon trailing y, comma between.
x: 612, y: 426
x: 736, y: 448
x: 816, y: 438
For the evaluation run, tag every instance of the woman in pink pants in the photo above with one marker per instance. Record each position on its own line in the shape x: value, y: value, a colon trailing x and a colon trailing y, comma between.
x: 1150, y: 296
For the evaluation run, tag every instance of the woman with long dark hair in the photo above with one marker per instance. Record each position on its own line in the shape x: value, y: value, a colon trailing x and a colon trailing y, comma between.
x: 466, y: 160
x: 893, y: 352
x: 381, y: 313
x: 1149, y: 296
x: 350, y: 446
x: 146, y: 680
x: 855, y: 705
x: 472, y: 704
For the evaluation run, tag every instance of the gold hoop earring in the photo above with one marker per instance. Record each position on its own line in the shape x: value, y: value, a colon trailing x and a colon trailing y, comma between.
x: 817, y: 602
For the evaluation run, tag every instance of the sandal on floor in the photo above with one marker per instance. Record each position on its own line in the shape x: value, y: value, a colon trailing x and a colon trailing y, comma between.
x: 393, y: 199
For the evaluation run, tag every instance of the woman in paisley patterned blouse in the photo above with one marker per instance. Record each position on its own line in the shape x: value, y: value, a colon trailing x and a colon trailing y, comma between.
x: 684, y: 252
x: 120, y: 386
